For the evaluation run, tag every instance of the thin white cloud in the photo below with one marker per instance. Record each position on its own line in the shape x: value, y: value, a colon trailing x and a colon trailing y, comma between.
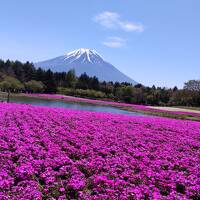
x: 112, y: 20
x: 129, y: 26
x: 107, y: 19
x: 114, y: 42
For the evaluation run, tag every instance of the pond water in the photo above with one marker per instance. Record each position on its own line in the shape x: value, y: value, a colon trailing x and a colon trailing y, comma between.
x: 74, y: 105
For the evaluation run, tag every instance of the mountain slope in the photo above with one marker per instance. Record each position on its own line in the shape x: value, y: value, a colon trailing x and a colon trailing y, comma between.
x: 85, y: 60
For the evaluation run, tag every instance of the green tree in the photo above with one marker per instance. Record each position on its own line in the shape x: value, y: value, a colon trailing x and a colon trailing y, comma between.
x: 193, y: 85
x: 70, y: 79
x: 83, y: 81
x: 12, y: 84
x: 94, y: 83
x: 49, y: 82
x: 34, y: 86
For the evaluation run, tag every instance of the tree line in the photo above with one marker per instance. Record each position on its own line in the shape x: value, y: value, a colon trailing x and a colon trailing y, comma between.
x: 16, y: 77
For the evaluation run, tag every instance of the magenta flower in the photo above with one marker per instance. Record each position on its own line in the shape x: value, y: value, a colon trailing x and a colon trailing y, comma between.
x: 49, y: 153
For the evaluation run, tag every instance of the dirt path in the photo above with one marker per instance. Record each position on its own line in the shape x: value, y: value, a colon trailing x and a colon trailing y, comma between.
x: 174, y: 109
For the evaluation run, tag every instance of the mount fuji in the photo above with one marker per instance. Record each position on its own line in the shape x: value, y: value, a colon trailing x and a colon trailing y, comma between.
x: 88, y: 61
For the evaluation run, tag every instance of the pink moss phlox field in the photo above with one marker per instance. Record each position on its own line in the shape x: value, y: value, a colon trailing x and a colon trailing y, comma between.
x: 134, y: 106
x: 54, y: 153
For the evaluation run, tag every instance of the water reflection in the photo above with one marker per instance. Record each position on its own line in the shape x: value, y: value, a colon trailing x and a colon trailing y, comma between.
x: 75, y: 105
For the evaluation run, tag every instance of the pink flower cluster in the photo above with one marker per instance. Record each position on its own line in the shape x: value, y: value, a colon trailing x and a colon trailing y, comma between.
x: 133, y: 106
x: 54, y: 153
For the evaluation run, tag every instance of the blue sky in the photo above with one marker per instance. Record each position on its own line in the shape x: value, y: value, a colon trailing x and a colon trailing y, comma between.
x: 154, y: 42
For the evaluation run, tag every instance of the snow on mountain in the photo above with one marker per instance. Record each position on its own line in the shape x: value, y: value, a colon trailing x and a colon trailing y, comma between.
x: 85, y: 60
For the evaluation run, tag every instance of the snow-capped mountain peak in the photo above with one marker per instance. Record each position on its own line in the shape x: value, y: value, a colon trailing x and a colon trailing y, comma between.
x: 84, y: 55
x: 85, y: 60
